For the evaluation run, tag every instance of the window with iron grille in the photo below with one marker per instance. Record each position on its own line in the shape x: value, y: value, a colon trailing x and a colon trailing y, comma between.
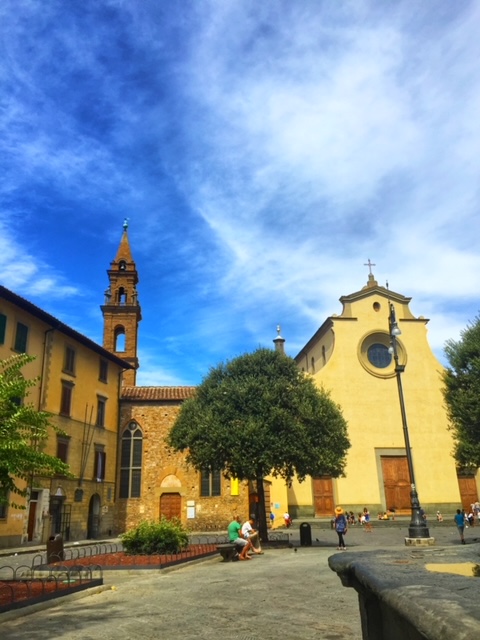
x: 210, y: 483
x: 131, y: 462
x: 21, y: 335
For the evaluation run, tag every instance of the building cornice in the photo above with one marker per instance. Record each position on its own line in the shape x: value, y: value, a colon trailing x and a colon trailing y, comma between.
x: 58, y: 325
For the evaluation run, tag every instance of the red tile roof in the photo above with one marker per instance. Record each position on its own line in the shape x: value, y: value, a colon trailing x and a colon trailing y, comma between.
x: 152, y: 394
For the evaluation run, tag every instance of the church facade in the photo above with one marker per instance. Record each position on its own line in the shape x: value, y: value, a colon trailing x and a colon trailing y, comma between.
x: 350, y: 355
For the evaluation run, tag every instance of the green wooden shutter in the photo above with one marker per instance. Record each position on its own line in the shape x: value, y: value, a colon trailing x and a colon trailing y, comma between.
x: 3, y: 324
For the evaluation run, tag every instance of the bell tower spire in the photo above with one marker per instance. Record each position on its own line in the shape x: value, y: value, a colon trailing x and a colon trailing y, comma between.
x: 121, y: 311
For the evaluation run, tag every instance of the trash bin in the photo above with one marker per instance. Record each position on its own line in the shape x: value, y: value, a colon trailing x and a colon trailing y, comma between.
x: 305, y: 535
x: 55, y: 550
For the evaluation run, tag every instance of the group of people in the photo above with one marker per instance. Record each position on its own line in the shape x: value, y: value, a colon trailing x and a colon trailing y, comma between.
x: 342, y: 519
x: 245, y: 537
x: 473, y: 514
x: 463, y: 520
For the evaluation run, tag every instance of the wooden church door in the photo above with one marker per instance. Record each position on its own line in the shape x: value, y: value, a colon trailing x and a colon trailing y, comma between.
x: 170, y: 505
x: 468, y: 490
x: 323, y: 496
x: 396, y: 482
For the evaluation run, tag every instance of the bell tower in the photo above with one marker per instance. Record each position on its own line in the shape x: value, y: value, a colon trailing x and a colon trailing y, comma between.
x: 121, y: 311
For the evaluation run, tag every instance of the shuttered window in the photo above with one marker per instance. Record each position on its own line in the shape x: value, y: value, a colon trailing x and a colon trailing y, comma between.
x: 103, y: 372
x: 66, y: 398
x: 21, y: 335
x: 3, y: 326
x: 69, y: 360
x: 101, y: 411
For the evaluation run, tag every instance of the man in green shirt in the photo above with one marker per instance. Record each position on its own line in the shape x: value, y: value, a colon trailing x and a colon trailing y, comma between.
x: 235, y: 535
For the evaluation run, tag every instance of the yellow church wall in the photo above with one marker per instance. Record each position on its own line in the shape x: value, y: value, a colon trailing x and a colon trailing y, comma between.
x: 300, y: 498
x: 370, y: 403
x: 280, y: 499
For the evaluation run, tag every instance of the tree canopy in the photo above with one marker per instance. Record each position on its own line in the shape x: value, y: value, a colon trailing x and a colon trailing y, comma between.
x: 23, y: 432
x: 462, y: 394
x: 258, y: 415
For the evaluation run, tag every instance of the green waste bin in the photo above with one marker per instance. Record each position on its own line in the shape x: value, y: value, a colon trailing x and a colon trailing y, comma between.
x: 55, y: 551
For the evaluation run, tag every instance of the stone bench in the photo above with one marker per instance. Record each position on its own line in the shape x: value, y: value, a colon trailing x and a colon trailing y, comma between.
x: 228, y: 551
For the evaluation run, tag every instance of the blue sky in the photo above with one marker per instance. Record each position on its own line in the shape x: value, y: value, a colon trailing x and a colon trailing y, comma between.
x: 262, y: 152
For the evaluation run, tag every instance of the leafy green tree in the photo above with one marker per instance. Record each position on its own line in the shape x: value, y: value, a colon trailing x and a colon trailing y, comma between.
x: 23, y: 432
x: 258, y: 415
x: 462, y: 394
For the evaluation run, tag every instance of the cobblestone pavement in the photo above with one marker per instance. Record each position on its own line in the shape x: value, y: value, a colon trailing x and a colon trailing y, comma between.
x: 286, y: 593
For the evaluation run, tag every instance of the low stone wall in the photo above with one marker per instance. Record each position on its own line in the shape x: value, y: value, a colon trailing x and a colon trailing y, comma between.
x: 414, y: 594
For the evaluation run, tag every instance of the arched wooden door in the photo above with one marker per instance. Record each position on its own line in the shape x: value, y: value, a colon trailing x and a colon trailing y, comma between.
x: 170, y: 505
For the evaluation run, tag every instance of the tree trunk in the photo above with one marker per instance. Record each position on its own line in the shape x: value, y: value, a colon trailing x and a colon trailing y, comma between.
x: 262, y: 512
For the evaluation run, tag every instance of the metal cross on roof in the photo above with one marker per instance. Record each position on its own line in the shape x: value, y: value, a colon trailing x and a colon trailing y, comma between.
x: 369, y: 264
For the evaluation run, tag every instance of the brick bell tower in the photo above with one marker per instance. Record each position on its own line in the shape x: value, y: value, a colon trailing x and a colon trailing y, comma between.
x: 121, y: 311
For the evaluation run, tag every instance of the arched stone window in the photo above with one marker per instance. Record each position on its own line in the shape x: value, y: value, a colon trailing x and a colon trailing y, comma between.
x: 120, y: 339
x: 131, y: 461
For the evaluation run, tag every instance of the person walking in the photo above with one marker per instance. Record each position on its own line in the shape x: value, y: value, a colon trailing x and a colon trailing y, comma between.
x: 459, y: 519
x: 341, y: 528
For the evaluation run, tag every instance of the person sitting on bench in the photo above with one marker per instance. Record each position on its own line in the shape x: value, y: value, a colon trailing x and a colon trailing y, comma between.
x: 251, y: 534
x: 235, y: 535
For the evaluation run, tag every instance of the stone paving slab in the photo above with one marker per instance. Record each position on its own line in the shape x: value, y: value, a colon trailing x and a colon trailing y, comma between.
x: 286, y: 593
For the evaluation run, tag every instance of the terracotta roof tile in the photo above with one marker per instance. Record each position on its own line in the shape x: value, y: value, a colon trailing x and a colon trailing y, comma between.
x: 152, y: 394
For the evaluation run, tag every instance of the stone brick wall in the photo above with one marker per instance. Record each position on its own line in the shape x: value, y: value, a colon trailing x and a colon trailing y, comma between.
x: 165, y: 472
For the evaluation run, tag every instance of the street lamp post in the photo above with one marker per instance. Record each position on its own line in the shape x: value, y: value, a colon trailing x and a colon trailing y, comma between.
x: 418, y: 527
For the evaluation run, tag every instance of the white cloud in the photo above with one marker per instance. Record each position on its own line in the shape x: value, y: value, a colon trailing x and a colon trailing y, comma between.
x: 24, y: 273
